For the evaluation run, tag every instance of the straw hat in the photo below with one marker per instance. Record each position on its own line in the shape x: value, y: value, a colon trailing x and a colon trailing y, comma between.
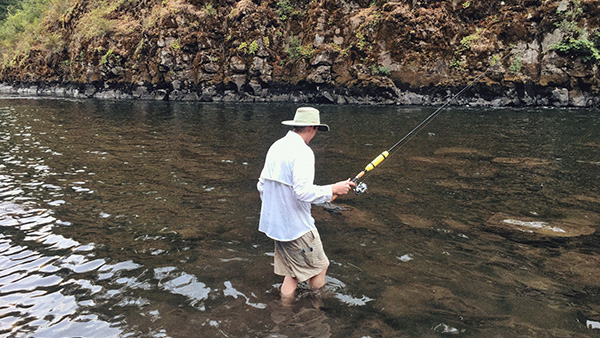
x: 306, y: 116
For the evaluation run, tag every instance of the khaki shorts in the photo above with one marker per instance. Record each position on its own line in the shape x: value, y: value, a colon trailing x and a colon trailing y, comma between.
x: 301, y: 258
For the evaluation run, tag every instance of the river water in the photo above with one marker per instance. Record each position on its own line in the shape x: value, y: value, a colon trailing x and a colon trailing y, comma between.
x: 139, y: 219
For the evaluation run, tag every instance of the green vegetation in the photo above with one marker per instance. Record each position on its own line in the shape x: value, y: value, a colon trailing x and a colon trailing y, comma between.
x: 296, y: 50
x: 588, y: 50
x: 456, y: 63
x: 253, y: 47
x: 8, y: 6
x: 366, y: 32
x: 465, y: 43
x: 362, y: 41
x: 106, y: 56
x: 176, y: 45
x: 342, y: 51
x: 243, y: 47
x: 568, y: 24
x: 463, y: 46
x: 284, y: 9
x: 495, y: 60
x: 21, y: 19
x: 22, y: 29
x: 38, y: 25
x: 248, y: 48
x: 209, y: 9
x: 233, y: 12
x: 516, y: 65
x: 379, y: 70
x: 99, y: 22
x: 138, y: 49
x: 577, y: 42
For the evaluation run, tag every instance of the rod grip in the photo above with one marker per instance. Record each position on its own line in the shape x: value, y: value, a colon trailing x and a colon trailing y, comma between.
x: 377, y: 161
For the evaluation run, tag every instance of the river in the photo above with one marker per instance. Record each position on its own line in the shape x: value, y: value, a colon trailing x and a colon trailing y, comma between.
x: 139, y: 219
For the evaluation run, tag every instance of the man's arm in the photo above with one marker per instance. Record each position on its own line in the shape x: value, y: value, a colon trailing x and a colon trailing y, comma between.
x: 342, y: 187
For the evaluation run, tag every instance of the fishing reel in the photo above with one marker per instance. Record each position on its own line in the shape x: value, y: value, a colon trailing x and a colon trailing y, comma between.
x: 360, y: 188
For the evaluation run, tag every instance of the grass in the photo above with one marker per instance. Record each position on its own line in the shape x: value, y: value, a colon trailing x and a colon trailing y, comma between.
x: 36, y: 25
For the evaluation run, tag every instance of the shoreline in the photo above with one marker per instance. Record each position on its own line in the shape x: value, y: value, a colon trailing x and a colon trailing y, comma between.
x: 532, y: 98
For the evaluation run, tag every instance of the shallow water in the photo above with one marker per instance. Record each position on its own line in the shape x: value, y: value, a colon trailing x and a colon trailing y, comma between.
x: 139, y: 219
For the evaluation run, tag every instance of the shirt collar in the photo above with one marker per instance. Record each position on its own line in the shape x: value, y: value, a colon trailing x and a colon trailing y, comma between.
x: 296, y: 136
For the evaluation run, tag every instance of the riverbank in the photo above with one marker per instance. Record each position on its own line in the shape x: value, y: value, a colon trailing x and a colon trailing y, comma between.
x: 475, y: 96
x: 533, y: 53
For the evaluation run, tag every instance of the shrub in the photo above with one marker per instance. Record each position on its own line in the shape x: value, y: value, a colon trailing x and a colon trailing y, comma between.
x: 577, y: 42
x: 293, y: 49
x: 248, y: 48
x: 22, y: 19
x: 582, y: 47
x: 516, y: 65
x: 465, y: 42
x: 379, y: 70
x: 284, y: 9
x: 296, y: 50
x: 253, y: 47
x: 456, y: 63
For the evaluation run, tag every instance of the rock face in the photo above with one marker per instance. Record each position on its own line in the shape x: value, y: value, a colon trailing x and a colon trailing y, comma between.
x: 416, y: 52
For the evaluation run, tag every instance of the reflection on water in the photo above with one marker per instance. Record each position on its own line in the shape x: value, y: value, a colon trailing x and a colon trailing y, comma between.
x: 138, y: 219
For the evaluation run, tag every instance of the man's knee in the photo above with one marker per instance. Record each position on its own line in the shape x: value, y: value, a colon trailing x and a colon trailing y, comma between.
x: 318, y: 281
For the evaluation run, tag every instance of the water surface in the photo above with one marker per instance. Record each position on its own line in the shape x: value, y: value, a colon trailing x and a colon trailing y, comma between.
x: 139, y: 219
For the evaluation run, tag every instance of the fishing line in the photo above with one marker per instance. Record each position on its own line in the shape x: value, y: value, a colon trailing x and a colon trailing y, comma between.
x: 361, y: 187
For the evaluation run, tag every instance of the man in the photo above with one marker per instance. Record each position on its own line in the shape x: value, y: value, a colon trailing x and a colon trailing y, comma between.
x: 287, y: 190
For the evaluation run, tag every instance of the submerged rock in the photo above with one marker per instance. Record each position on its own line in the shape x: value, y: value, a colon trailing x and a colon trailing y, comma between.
x: 503, y: 222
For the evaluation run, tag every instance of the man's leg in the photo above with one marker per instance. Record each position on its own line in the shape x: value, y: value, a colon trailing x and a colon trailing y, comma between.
x: 288, y: 287
x: 318, y: 281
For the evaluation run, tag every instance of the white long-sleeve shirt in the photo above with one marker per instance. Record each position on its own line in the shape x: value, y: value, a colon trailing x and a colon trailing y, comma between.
x: 287, y: 189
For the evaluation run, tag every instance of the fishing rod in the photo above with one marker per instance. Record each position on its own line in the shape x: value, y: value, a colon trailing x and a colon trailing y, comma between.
x: 361, y: 187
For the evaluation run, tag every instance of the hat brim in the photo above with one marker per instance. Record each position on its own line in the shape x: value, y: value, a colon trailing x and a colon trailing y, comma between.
x: 322, y: 127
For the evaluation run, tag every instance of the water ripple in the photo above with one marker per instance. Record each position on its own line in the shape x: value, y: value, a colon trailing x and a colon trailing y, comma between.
x: 35, y: 297
x: 182, y: 283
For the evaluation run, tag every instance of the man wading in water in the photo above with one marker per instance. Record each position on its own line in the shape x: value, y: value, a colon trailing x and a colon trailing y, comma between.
x: 287, y: 190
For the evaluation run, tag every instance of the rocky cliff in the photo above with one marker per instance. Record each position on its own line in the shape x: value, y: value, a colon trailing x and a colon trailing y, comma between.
x: 521, y: 52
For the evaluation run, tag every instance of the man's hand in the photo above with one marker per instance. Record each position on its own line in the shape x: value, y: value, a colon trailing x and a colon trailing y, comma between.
x: 342, y: 187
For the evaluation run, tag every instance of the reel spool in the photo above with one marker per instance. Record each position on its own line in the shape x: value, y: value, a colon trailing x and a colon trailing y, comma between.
x: 360, y: 188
